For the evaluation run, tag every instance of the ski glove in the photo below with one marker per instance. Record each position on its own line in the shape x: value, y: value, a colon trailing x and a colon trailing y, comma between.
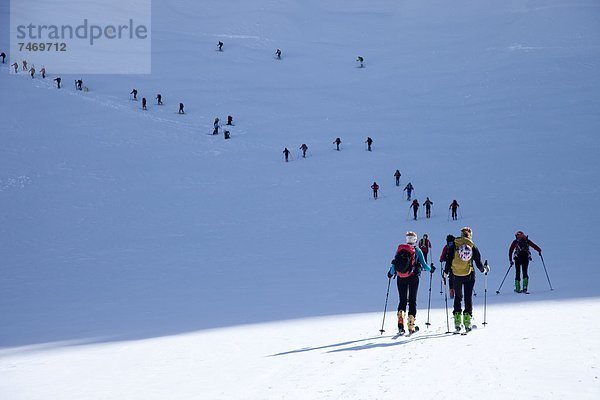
x: 432, y: 269
x: 486, y: 269
x: 389, y: 275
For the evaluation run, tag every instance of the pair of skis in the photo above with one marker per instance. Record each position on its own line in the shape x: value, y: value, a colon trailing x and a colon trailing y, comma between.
x: 405, y: 334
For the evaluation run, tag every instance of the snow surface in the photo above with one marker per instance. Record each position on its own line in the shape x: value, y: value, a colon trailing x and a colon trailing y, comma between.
x: 144, y: 258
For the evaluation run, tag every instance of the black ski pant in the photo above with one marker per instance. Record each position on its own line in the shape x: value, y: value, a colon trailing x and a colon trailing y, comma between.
x: 415, y: 212
x: 467, y: 283
x: 397, y: 181
x: 454, y: 214
x: 407, y: 291
x: 428, y: 212
x: 524, y: 263
x: 375, y: 193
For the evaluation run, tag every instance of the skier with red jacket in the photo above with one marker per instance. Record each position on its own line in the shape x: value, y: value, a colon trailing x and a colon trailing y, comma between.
x: 520, y: 247
x: 443, y: 259
x: 375, y: 188
x: 425, y: 245
x: 406, y: 267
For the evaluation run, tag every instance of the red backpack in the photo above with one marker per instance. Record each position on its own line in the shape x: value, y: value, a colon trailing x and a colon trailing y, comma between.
x: 404, y: 261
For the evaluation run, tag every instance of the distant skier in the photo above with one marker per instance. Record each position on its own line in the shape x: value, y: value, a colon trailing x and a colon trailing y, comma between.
x: 43, y: 72
x: 134, y: 93
x: 57, y: 80
x: 3, y: 55
x: 375, y: 188
x: 79, y: 84
x: 229, y: 120
x: 425, y: 245
x: 216, y: 127
x: 226, y: 134
x: 220, y: 46
x: 16, y: 67
x: 32, y: 72
x: 409, y: 189
x: 304, y: 147
x: 337, y: 143
x: 415, y: 207
x: 428, y: 203
x: 360, y: 61
x: 406, y: 266
x: 444, y: 259
x: 454, y: 207
x: 462, y: 255
x: 144, y: 103
x: 286, y: 154
x: 278, y: 54
x: 397, y: 175
x: 369, y: 142
x: 180, y: 109
x: 520, y: 246
x: 159, y: 99
x: 25, y: 66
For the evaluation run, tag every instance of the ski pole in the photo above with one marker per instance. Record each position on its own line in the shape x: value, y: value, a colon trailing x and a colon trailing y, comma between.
x: 429, y: 302
x: 546, y: 271
x: 408, y: 213
x: 448, y: 218
x: 485, y: 298
x: 460, y: 211
x: 509, y: 267
x: 385, y: 307
x: 446, y: 300
x: 442, y: 282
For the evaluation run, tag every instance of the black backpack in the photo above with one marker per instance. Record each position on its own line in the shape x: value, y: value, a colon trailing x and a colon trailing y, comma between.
x: 404, y: 262
x: 522, y: 247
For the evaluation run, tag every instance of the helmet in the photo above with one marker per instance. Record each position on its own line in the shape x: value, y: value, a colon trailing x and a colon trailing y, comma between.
x: 411, y: 238
x: 519, y: 234
x: 466, y: 232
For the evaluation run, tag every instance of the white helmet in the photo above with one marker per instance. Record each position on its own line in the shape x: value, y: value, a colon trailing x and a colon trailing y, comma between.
x: 411, y: 238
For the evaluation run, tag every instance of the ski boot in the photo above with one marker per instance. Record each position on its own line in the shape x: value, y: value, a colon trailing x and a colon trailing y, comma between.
x: 525, y: 282
x: 457, y: 322
x: 411, y: 325
x: 517, y: 286
x: 467, y: 321
x: 401, y: 322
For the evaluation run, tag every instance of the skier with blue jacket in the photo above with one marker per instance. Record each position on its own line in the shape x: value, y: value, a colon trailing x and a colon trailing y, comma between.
x: 406, y: 266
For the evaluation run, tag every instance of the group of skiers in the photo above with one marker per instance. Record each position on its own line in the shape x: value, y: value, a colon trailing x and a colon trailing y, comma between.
x: 459, y: 258
x: 220, y: 45
x: 337, y: 142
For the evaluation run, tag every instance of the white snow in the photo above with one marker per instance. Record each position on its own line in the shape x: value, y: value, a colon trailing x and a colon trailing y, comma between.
x: 144, y: 258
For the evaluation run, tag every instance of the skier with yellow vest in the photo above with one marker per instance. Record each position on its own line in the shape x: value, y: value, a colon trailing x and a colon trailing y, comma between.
x: 460, y: 262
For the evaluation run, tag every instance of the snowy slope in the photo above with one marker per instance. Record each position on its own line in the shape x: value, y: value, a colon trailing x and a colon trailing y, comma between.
x: 129, y: 238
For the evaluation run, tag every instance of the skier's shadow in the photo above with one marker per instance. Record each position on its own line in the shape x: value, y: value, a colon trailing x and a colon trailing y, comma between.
x: 367, y: 346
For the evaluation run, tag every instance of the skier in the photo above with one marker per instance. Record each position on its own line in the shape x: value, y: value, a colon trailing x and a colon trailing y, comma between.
x: 159, y: 99
x: 397, y: 175
x: 369, y: 142
x: 375, y: 188
x: 134, y: 93
x: 522, y: 256
x: 216, y: 127
x: 286, y: 154
x: 229, y: 120
x: 304, y: 147
x: 425, y: 245
x: 406, y: 266
x: 32, y: 72
x: 337, y: 143
x: 409, y: 189
x: 443, y: 259
x: 78, y: 84
x: 3, y: 55
x: 461, y: 256
x: 428, y: 203
x: 43, y: 72
x: 360, y: 61
x: 278, y: 54
x: 16, y: 67
x: 226, y: 134
x: 220, y: 45
x: 415, y: 207
x: 454, y: 207
x: 180, y: 109
x: 25, y: 65
x: 57, y: 80
x: 144, y: 103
